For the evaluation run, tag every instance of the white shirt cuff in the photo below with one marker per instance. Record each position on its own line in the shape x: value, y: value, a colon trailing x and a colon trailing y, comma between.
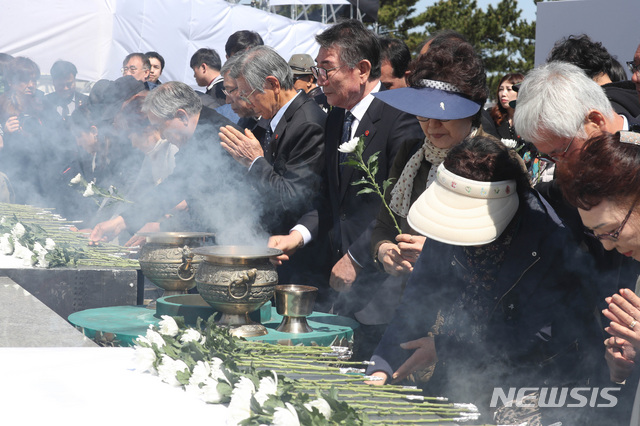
x: 353, y: 258
x: 306, y: 235
x: 254, y: 160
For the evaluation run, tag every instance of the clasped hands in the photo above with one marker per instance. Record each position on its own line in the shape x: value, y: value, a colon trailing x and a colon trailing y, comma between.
x: 398, y: 259
x: 243, y: 147
x: 621, y: 349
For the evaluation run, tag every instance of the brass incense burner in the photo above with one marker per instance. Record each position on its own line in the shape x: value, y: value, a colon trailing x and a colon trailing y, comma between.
x: 167, y: 259
x: 237, y: 280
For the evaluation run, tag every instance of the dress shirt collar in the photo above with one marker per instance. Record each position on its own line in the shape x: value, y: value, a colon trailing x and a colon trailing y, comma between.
x: 214, y: 81
x: 361, y: 108
x: 276, y: 118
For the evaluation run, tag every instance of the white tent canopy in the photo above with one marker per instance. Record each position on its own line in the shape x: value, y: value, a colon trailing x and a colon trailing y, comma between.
x: 96, y: 35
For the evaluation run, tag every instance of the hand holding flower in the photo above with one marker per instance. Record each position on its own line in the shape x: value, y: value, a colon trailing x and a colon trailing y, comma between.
x: 355, y: 148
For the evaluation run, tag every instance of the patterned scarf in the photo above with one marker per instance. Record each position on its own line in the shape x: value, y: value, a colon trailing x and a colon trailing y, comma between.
x: 401, y: 193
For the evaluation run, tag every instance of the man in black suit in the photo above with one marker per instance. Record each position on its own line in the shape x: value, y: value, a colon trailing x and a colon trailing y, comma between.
x: 65, y: 99
x: 349, y: 72
x: 286, y: 168
x: 203, y: 170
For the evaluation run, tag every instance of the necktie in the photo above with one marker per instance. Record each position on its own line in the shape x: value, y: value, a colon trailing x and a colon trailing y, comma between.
x: 346, y: 136
x: 266, y: 139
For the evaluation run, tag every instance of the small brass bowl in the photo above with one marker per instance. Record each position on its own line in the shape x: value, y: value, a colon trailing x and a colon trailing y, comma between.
x: 295, y: 303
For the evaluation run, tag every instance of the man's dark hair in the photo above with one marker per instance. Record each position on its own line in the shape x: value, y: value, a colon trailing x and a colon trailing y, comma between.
x: 206, y: 56
x: 142, y: 56
x: 354, y: 42
x: 590, y: 56
x: 242, y: 40
x: 618, y: 71
x: 397, y: 53
x: 157, y: 56
x: 61, y: 69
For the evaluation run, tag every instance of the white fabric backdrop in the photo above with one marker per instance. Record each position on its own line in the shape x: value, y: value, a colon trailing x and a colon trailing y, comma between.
x: 96, y: 35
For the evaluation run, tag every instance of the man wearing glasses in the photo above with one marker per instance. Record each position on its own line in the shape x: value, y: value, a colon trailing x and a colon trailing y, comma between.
x: 558, y: 109
x: 136, y: 65
x: 348, y: 70
x: 286, y: 166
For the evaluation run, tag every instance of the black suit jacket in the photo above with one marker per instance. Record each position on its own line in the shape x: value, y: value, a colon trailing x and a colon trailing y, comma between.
x: 350, y: 216
x: 53, y: 98
x: 203, y: 171
x: 289, y: 176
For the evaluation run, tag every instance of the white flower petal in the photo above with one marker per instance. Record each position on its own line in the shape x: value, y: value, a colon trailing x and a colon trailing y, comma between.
x: 144, y: 359
x: 190, y: 335
x: 349, y: 146
x: 321, y: 405
x: 168, y: 369
x: 168, y: 326
x: 88, y: 192
x: 287, y: 416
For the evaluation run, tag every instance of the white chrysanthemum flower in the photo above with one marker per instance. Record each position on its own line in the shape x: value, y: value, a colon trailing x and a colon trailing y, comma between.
x: 190, y: 335
x: 154, y: 337
x: 49, y: 244
x: 18, y: 230
x: 168, y: 326
x: 5, y: 245
x: 287, y: 416
x: 240, y: 404
x: 200, y: 374
x: 321, y: 405
x: 509, y: 143
x: 168, y: 369
x: 21, y: 252
x: 88, y: 192
x: 216, y: 370
x: 144, y: 359
x: 76, y: 179
x: 349, y: 146
x: 209, y: 392
x: 268, y: 386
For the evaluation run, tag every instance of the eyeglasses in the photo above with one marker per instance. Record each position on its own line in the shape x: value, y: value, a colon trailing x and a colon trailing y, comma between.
x: 633, y: 68
x: 229, y: 92
x: 557, y: 156
x: 246, y: 98
x: 613, y: 236
x: 132, y: 69
x: 426, y: 120
x: 323, y: 73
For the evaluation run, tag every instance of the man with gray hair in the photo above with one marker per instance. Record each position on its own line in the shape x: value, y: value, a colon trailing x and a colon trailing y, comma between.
x: 286, y: 167
x: 176, y: 110
x: 558, y: 109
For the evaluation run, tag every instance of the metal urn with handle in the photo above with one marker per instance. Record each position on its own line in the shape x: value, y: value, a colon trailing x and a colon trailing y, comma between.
x: 237, y: 280
x: 168, y: 261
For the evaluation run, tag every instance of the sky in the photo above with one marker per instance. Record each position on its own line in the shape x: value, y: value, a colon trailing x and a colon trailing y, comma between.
x: 528, y: 7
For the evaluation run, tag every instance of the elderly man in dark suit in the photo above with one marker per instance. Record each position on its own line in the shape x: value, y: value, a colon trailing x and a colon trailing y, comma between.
x: 203, y: 174
x: 349, y: 72
x: 286, y: 168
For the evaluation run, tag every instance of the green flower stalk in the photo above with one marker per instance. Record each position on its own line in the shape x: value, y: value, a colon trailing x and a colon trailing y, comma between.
x: 355, y: 148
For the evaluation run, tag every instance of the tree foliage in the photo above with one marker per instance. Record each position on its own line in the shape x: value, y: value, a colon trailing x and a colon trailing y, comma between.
x: 505, y: 41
